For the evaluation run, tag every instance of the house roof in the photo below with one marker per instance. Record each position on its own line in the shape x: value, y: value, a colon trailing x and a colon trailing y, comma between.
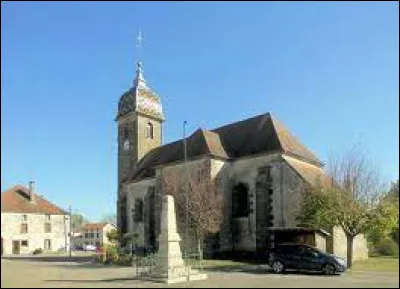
x: 17, y: 200
x: 94, y: 226
x: 301, y: 230
x: 255, y: 135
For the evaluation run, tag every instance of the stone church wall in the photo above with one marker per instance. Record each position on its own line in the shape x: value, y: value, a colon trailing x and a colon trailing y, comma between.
x: 135, y: 191
x: 287, y: 186
x: 245, y: 171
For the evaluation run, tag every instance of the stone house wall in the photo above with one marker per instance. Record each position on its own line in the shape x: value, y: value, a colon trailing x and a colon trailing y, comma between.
x: 11, y: 231
x: 338, y: 245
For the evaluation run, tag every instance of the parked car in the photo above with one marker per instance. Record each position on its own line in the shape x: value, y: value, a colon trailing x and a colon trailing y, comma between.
x: 90, y: 248
x: 304, y: 257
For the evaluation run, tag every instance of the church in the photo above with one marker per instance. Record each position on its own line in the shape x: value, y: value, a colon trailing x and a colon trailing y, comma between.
x: 260, y: 166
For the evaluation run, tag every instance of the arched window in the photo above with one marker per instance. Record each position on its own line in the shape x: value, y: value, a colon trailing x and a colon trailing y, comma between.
x: 240, y: 201
x: 138, y: 210
x: 150, y: 130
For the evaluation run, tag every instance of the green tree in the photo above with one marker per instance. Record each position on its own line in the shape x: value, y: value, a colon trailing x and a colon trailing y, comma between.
x: 78, y: 221
x: 114, y: 236
x: 351, y: 203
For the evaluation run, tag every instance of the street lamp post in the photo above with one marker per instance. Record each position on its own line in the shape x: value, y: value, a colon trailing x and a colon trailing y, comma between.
x: 186, y: 186
x: 70, y: 231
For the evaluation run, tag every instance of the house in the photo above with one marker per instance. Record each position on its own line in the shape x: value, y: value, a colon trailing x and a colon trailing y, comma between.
x: 29, y: 222
x: 93, y: 234
x: 258, y: 165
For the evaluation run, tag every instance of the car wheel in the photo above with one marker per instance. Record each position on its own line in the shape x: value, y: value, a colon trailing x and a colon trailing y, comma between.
x: 278, y: 267
x: 329, y: 269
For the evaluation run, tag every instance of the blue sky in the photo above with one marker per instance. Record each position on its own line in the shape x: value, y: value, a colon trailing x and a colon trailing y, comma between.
x: 328, y: 70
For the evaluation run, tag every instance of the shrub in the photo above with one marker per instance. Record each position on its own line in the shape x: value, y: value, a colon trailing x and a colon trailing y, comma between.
x: 125, y: 260
x: 387, y: 247
x: 112, y: 254
x: 37, y: 251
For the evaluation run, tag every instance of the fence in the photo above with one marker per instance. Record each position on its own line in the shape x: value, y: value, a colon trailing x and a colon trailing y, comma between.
x: 145, y: 266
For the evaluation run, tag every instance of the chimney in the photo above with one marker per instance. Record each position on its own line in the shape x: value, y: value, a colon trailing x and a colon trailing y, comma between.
x: 32, y: 191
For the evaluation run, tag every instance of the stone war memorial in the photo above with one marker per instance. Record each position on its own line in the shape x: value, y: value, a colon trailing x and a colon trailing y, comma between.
x: 169, y: 266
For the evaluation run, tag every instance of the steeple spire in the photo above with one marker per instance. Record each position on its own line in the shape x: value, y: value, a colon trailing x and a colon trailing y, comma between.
x: 139, y: 82
x: 140, y: 97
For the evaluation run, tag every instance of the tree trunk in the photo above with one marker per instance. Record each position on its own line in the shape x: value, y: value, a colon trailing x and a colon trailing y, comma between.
x: 350, y: 240
x: 200, y: 248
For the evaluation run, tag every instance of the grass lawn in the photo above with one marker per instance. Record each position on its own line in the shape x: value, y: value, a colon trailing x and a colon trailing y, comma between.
x: 378, y: 264
x: 210, y: 264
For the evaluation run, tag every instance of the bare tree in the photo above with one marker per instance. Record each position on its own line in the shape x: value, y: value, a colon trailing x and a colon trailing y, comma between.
x: 352, y: 202
x: 205, y: 202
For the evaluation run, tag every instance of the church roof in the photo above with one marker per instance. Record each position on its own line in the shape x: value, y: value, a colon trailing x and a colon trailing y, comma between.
x: 255, y: 135
x: 140, y: 98
x: 17, y: 200
x: 312, y: 174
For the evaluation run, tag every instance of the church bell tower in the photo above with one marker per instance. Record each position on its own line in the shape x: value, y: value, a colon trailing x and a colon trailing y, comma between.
x: 140, y: 119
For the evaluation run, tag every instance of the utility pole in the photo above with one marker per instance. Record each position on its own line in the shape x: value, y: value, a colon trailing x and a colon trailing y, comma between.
x: 186, y: 186
x: 70, y: 231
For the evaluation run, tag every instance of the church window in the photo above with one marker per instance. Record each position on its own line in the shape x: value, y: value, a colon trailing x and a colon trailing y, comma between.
x: 125, y: 138
x: 150, y: 131
x: 138, y: 210
x: 125, y: 133
x: 240, y: 201
x: 123, y: 211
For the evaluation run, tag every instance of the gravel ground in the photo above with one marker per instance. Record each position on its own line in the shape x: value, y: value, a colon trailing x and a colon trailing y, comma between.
x: 53, y: 272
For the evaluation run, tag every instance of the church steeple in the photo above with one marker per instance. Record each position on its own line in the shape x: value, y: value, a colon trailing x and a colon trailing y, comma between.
x: 140, y: 117
x: 140, y: 98
x: 139, y: 80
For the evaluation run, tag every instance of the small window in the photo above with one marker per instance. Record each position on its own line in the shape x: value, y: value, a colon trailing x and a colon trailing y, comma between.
x: 47, y: 228
x: 24, y: 218
x: 86, y: 235
x: 48, y: 217
x: 24, y: 243
x: 98, y: 235
x: 150, y: 131
x: 138, y: 210
x: 125, y: 133
x: 24, y: 228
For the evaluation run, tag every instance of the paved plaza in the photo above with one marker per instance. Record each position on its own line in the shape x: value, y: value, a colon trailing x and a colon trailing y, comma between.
x: 58, y: 272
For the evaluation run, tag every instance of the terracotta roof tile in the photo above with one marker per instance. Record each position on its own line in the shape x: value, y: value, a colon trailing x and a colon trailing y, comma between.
x: 94, y: 226
x: 16, y: 200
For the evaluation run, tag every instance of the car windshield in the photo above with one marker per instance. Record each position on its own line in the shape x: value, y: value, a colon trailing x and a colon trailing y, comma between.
x: 312, y: 250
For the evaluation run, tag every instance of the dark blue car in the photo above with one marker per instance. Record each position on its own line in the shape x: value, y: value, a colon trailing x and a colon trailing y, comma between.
x: 304, y: 257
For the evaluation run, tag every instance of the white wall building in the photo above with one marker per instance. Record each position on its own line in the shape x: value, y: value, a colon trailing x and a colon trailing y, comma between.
x: 29, y: 222
x: 93, y: 234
